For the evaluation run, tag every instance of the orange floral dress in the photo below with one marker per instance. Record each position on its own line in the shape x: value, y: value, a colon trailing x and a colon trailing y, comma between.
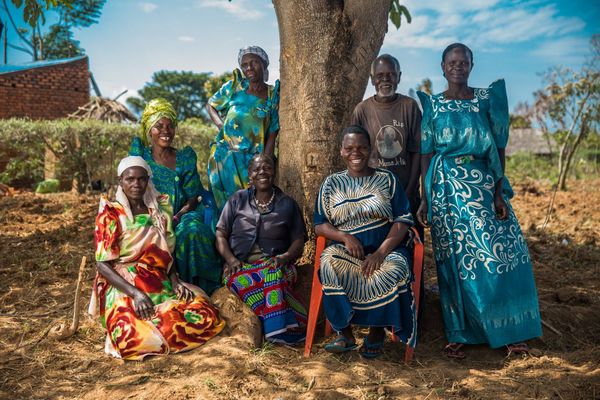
x: 140, y: 252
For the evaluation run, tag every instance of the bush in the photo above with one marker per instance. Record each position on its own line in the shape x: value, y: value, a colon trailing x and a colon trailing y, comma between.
x: 522, y: 166
x: 86, y: 151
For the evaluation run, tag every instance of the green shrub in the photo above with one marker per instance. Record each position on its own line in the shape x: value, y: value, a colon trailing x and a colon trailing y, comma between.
x: 521, y: 166
x: 86, y: 150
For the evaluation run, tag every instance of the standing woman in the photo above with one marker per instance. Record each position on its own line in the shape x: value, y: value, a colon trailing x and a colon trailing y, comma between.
x: 245, y: 109
x: 174, y: 172
x: 485, y: 276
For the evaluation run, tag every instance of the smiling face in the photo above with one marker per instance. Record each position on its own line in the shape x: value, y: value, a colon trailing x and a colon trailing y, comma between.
x: 134, y: 181
x: 355, y: 152
x: 252, y: 67
x: 457, y: 66
x: 262, y: 173
x: 162, y: 132
x: 385, y: 78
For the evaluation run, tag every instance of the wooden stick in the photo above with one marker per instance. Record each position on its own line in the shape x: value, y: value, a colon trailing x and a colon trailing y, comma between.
x: 553, y: 329
x: 77, y: 301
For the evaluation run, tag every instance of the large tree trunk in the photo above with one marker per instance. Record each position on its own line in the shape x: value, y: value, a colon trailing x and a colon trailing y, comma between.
x: 326, y: 50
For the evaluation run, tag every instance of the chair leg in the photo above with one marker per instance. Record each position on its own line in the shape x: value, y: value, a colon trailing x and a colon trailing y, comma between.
x: 416, y: 286
x: 408, y: 355
x: 316, y: 296
x: 313, y: 313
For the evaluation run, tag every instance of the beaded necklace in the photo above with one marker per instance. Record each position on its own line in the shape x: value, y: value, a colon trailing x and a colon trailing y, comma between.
x: 264, y: 207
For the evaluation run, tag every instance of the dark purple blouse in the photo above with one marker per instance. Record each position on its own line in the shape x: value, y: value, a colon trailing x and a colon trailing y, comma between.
x: 273, y: 231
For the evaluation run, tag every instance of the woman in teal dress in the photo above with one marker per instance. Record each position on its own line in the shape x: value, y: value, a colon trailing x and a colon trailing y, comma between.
x: 487, y: 290
x: 366, y: 271
x: 174, y: 172
x: 245, y: 109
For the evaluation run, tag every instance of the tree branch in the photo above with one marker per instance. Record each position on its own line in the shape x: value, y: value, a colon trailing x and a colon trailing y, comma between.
x: 14, y: 25
x: 23, y: 49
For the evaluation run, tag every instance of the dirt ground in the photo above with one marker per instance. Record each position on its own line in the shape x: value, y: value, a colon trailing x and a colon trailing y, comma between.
x: 42, y: 241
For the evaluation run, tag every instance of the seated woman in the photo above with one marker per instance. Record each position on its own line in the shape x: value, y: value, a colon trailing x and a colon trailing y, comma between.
x: 260, y: 235
x: 143, y: 305
x: 365, y: 273
x: 174, y: 172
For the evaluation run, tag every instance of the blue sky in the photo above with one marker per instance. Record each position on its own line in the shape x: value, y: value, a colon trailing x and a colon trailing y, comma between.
x: 511, y: 39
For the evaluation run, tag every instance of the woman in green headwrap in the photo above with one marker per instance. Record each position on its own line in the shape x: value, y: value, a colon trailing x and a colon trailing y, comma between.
x: 174, y: 173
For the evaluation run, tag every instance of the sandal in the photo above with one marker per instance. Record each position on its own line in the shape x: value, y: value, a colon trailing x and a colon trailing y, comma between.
x: 454, y: 350
x: 340, y: 344
x: 371, y: 350
x: 517, y: 348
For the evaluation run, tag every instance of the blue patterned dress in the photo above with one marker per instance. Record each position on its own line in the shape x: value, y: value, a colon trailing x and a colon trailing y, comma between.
x: 487, y: 289
x: 366, y: 207
x: 195, y: 254
x: 247, y: 123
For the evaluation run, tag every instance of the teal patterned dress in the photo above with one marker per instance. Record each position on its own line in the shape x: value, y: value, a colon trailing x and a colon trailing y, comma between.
x: 366, y: 207
x: 196, y: 258
x: 247, y: 123
x: 485, y: 276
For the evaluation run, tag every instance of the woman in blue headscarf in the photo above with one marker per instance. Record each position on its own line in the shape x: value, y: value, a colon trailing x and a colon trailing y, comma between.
x: 487, y: 290
x: 245, y: 109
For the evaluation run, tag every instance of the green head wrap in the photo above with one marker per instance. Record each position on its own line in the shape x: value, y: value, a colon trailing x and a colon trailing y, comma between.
x: 155, y: 110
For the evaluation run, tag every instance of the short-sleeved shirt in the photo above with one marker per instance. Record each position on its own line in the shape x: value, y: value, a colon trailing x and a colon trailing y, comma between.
x: 273, y: 231
x: 395, y: 131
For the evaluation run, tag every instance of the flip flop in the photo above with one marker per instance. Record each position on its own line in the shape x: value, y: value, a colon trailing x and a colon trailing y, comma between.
x: 454, y: 350
x: 340, y: 344
x: 371, y: 350
x: 517, y: 348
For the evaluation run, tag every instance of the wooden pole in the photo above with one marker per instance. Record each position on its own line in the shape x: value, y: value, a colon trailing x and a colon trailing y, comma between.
x: 5, y: 44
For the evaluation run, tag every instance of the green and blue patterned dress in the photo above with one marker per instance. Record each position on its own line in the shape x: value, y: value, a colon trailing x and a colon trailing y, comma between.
x: 485, y: 276
x: 247, y: 123
x: 196, y: 258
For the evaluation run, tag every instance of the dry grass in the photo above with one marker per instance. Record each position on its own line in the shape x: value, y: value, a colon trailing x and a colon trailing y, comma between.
x: 43, y: 238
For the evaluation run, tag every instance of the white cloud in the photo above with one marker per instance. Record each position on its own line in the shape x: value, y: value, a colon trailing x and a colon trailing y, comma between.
x: 485, y: 24
x: 148, y: 7
x: 239, y: 8
x: 185, y: 38
x: 562, y: 48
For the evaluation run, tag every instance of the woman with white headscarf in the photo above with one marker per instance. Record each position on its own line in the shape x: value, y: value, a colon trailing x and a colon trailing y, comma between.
x: 245, y: 109
x: 138, y: 296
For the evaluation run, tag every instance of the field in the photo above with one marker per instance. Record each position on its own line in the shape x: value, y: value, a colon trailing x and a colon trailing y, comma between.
x: 42, y: 241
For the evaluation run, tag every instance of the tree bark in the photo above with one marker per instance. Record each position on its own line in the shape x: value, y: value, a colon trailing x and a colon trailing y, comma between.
x: 326, y: 50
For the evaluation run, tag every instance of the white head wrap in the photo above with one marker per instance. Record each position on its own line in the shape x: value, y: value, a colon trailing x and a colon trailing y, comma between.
x: 258, y: 52
x: 150, y: 196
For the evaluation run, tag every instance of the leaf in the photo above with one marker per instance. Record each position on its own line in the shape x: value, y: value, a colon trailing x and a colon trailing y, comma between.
x: 396, y: 12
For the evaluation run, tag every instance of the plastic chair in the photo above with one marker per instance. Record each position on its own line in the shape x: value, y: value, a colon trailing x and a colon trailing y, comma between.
x: 316, y: 295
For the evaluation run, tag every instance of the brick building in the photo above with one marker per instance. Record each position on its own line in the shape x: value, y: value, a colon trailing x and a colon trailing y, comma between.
x: 44, y: 89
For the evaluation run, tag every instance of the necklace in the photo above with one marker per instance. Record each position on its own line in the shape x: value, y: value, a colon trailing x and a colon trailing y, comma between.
x: 264, y: 207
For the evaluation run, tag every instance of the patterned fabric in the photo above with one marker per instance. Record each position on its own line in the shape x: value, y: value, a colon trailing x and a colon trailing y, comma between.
x: 140, y: 254
x: 195, y: 254
x: 267, y: 289
x: 155, y: 110
x: 257, y: 51
x: 366, y: 207
x: 487, y: 289
x: 247, y: 123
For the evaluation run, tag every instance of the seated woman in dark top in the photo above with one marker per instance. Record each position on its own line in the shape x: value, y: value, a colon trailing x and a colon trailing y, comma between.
x: 260, y: 235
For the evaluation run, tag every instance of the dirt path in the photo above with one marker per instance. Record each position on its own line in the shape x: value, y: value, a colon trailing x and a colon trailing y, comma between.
x: 42, y: 240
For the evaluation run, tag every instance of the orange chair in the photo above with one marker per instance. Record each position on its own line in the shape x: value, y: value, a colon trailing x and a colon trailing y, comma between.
x: 317, y: 293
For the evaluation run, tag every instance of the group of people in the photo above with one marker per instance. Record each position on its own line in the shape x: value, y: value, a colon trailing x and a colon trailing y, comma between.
x: 165, y: 243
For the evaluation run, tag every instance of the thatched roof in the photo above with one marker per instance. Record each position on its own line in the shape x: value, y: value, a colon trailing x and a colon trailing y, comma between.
x: 104, y: 109
x: 527, y: 140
